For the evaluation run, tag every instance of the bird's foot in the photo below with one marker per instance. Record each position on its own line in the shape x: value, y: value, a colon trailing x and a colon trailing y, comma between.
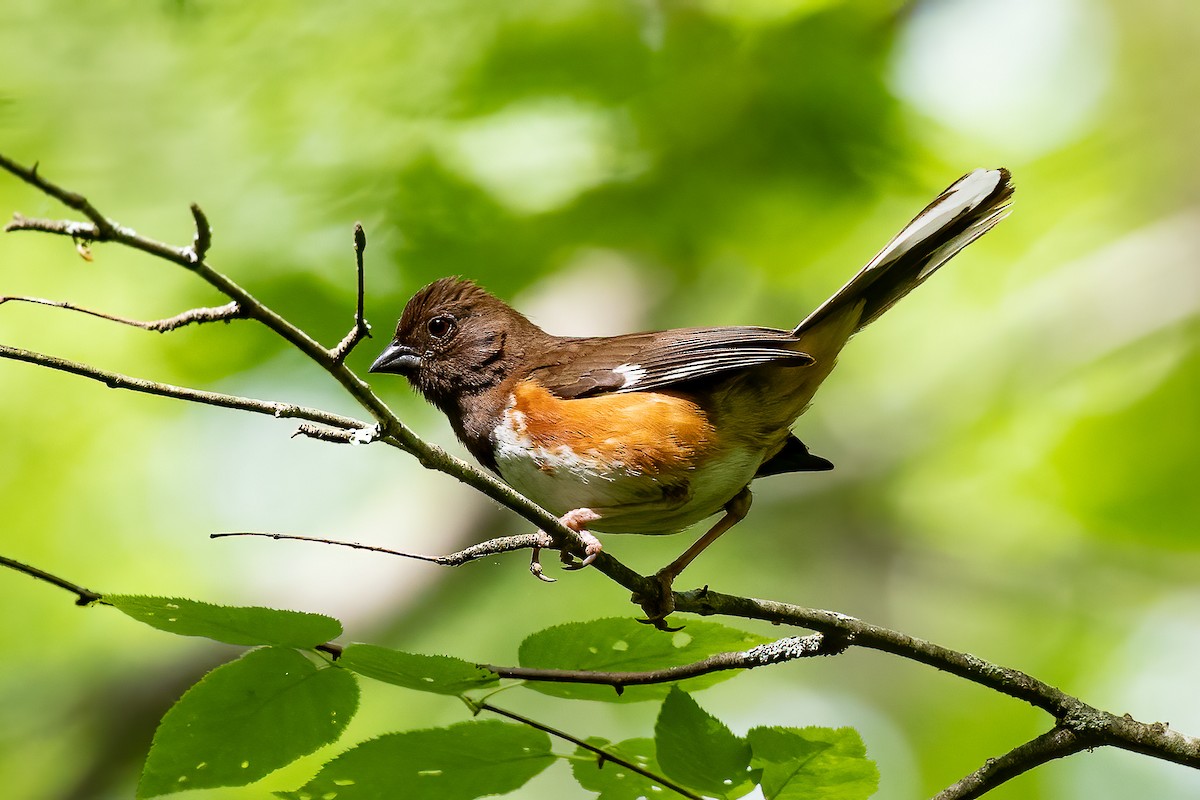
x: 577, y: 521
x: 535, y: 562
x: 660, y: 603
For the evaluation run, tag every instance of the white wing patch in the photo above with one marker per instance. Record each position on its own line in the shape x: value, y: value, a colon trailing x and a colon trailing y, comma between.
x: 633, y: 374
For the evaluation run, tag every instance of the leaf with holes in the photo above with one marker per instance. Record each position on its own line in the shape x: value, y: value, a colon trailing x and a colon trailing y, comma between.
x: 698, y: 750
x: 621, y: 644
x: 801, y: 763
x: 461, y: 762
x: 247, y: 719
x: 240, y: 625
x: 612, y: 780
x: 438, y: 674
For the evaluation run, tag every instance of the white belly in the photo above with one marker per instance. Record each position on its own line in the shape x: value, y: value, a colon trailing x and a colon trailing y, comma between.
x: 628, y: 500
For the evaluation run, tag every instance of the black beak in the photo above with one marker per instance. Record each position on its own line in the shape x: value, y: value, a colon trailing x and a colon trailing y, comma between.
x: 398, y: 359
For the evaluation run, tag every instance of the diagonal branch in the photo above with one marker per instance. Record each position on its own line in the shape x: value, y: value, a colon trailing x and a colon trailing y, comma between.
x: 1058, y: 742
x: 1011, y: 682
x: 395, y: 432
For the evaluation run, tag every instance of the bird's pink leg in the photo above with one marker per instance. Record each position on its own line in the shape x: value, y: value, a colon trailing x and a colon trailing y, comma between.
x: 577, y: 521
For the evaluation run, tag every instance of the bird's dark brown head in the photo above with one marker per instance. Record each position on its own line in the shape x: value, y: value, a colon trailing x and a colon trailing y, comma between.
x: 454, y: 340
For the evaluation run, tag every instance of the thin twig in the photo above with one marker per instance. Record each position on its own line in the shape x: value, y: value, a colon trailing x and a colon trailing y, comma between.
x: 86, y: 596
x: 225, y: 313
x: 203, y: 238
x: 69, y: 199
x: 600, y: 753
x: 361, y: 329
x: 492, y: 547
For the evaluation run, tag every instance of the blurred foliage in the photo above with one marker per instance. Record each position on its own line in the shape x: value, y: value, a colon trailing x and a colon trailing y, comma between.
x: 1016, y: 443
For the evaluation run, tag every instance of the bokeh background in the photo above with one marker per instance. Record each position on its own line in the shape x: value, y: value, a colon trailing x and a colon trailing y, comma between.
x: 1016, y: 443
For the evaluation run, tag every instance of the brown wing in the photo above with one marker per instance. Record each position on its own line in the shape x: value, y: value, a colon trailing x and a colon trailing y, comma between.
x: 643, y: 361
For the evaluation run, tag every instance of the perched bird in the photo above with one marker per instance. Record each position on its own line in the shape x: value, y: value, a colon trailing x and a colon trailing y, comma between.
x: 652, y: 432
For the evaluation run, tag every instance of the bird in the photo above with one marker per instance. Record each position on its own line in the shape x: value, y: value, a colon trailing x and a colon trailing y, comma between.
x: 652, y: 432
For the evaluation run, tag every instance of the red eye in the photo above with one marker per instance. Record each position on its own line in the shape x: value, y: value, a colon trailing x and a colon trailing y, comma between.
x: 440, y: 327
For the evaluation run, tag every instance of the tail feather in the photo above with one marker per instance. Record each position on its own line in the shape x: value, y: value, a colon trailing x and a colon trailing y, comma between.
x: 969, y: 208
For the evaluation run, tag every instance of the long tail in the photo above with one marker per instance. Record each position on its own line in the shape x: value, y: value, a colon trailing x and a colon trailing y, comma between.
x: 969, y: 208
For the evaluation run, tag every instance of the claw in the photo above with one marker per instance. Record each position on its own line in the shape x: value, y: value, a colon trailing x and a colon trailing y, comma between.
x: 591, y: 549
x: 535, y: 562
x: 661, y: 624
x: 659, y: 606
x: 576, y: 520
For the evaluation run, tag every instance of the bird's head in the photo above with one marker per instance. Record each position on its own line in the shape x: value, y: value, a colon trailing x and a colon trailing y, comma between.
x: 455, y: 339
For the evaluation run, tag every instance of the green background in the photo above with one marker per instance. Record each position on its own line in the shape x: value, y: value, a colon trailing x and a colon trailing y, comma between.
x: 1016, y: 443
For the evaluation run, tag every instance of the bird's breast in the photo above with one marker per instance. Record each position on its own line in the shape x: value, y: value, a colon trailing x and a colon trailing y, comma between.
x: 647, y: 462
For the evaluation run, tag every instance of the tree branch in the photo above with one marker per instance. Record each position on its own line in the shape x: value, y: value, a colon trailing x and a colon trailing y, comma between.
x: 776, y: 652
x: 115, y: 380
x: 394, y: 431
x: 1056, y: 743
x: 76, y: 202
x: 1079, y: 725
x: 225, y: 313
x: 504, y: 544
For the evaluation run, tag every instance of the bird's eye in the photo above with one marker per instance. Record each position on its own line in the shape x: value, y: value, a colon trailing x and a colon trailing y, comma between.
x: 441, y: 326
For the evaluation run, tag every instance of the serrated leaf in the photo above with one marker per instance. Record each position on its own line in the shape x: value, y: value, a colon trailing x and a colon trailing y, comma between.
x: 461, y: 762
x: 614, y: 781
x: 438, y: 674
x: 242, y: 625
x: 621, y: 644
x: 803, y: 763
x: 246, y: 719
x: 698, y: 750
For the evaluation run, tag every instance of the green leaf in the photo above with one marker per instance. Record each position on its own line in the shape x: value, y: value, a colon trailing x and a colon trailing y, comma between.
x: 438, y: 674
x: 614, y: 781
x: 803, y: 763
x: 696, y: 749
x: 621, y: 644
x: 231, y: 624
x: 246, y: 719
x: 461, y: 762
